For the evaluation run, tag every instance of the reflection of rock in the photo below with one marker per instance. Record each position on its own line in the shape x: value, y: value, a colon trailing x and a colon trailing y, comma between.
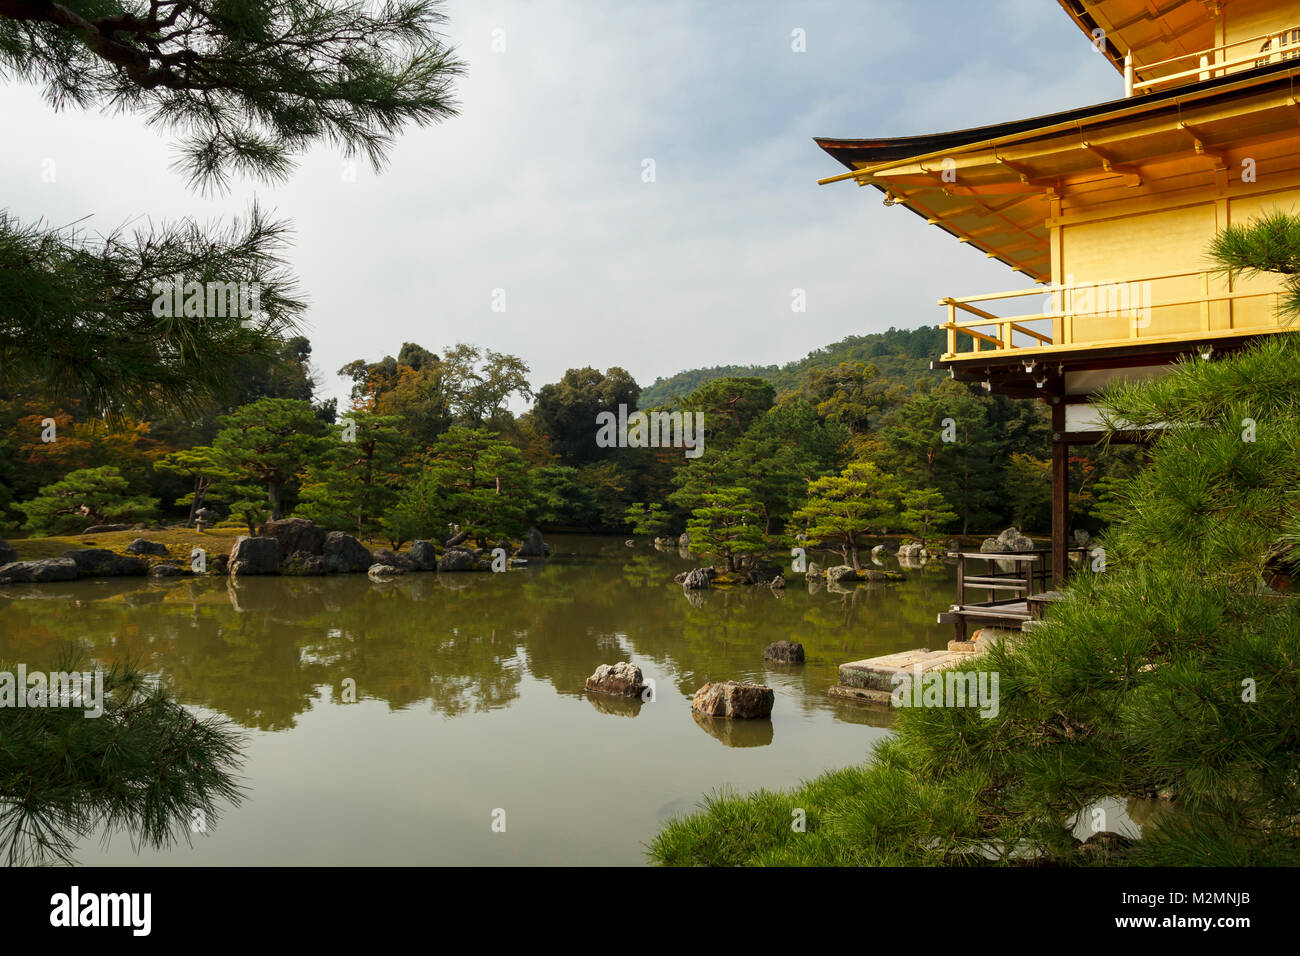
x: 255, y: 556
x: 696, y: 598
x: 102, y: 563
x: 619, y: 706
x: 777, y: 583
x: 38, y: 572
x: 734, y: 700
x: 736, y: 733
x: 784, y: 652
x: 620, y: 680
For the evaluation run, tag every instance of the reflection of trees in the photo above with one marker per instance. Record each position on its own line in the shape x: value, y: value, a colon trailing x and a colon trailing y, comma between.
x: 259, y: 649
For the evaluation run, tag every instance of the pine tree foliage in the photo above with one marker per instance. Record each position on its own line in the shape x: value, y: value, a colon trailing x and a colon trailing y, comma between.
x: 78, y: 312
x: 146, y: 766
x: 245, y: 85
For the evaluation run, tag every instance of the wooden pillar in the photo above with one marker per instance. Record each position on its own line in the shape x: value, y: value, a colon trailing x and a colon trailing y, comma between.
x: 1060, y: 493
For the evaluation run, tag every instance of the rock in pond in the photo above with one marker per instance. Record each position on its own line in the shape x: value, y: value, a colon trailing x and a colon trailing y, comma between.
x: 393, y: 559
x: 618, y: 680
x: 734, y: 700
x: 166, y: 570
x: 384, y: 572
x: 458, y: 559
x: 38, y: 572
x: 145, y: 546
x: 255, y: 556
x: 102, y: 563
x: 425, y: 555
x: 784, y: 652
x: 295, y: 534
x: 305, y: 564
x: 345, y: 554
x: 1009, y: 540
x: 697, y: 579
x: 840, y: 572
x: 534, y: 546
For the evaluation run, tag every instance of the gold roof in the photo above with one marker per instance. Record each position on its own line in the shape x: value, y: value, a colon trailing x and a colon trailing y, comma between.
x: 1152, y: 30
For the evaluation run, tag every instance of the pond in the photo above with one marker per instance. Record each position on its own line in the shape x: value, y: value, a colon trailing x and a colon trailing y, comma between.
x: 470, y: 700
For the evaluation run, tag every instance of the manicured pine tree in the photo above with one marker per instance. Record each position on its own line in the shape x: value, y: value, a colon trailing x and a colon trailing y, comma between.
x: 271, y: 442
x: 842, y: 508
x: 86, y: 497
x: 727, y: 525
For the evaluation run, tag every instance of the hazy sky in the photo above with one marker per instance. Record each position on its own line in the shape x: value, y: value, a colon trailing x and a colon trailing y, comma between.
x: 537, y: 188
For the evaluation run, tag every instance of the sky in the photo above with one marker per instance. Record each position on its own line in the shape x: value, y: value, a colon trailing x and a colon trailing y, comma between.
x: 536, y: 196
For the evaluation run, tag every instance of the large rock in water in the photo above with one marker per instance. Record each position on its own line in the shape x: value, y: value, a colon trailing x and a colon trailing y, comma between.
x: 840, y: 572
x: 145, y: 546
x: 425, y: 555
x: 458, y: 559
x: 534, y: 546
x: 295, y: 534
x: 255, y: 556
x: 345, y: 554
x: 620, y: 680
x: 7, y: 554
x: 38, y: 572
x: 697, y: 579
x: 403, y: 562
x: 384, y: 572
x: 784, y: 652
x: 102, y: 563
x: 734, y: 700
x: 1009, y: 540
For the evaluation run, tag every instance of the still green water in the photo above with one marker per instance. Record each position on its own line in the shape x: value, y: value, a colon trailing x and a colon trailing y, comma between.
x: 470, y: 699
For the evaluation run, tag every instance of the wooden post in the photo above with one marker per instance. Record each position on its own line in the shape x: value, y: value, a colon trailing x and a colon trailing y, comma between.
x: 1128, y: 76
x: 1060, y: 492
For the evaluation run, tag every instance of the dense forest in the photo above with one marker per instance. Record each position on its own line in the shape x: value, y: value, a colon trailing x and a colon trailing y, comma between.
x: 857, y: 438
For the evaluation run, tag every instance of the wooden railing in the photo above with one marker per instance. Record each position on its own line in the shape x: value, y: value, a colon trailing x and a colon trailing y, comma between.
x: 1130, y: 300
x: 1246, y: 54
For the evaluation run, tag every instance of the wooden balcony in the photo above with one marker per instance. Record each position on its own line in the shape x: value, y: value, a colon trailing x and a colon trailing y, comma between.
x: 1257, y: 51
x: 1080, y: 316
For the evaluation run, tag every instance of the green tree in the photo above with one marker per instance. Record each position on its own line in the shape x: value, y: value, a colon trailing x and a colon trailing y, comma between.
x: 271, y: 442
x: 473, y: 481
x: 566, y: 410
x: 202, y: 466
x: 86, y: 497
x: 359, y: 476
x: 850, y: 393
x: 651, y: 521
x: 727, y: 525
x: 842, y: 508
x: 924, y: 508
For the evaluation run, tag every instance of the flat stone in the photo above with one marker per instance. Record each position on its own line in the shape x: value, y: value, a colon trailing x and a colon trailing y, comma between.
x: 102, y: 563
x: 38, y: 572
x: 877, y: 673
x: 145, y: 546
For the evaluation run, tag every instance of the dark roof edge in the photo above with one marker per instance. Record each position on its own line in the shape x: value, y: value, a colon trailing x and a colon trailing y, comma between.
x: 885, y: 150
